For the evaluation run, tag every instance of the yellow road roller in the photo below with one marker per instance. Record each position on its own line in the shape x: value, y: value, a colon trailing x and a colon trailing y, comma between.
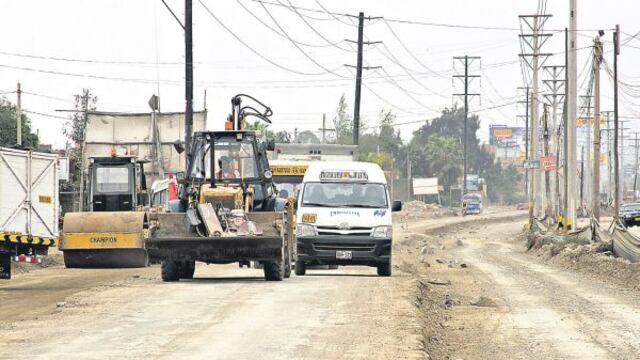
x: 111, y: 232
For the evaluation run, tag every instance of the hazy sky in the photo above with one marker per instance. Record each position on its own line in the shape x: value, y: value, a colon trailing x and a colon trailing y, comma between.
x: 136, y: 49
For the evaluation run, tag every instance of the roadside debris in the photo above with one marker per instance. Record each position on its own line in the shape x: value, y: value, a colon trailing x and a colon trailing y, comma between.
x: 439, y: 282
x: 482, y: 301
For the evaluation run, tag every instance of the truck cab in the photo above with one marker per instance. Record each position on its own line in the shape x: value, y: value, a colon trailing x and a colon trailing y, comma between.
x: 344, y: 217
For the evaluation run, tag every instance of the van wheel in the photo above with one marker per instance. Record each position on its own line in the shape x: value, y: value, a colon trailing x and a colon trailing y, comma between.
x: 301, y: 268
x: 384, y: 269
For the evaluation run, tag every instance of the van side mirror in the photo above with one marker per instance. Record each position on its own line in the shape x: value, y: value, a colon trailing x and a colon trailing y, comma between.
x: 396, y: 205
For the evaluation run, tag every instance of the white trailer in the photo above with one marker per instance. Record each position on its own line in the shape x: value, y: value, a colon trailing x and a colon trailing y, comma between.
x: 29, y: 206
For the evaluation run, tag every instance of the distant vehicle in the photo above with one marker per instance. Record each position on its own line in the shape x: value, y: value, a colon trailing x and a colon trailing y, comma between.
x: 29, y: 207
x: 344, y: 217
x: 472, y: 204
x: 630, y: 214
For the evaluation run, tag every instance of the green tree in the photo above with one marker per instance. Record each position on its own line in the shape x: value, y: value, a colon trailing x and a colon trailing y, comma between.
x: 75, y: 128
x: 8, y: 124
x: 307, y: 137
x: 436, y: 150
x: 261, y: 127
x: 383, y: 159
x: 343, y: 122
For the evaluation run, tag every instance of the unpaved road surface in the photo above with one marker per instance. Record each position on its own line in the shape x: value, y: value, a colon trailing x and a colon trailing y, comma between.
x: 528, y: 310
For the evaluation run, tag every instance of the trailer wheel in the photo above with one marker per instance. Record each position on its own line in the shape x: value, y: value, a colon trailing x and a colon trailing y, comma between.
x: 170, y: 270
x: 274, y: 270
x: 301, y: 268
x: 187, y: 269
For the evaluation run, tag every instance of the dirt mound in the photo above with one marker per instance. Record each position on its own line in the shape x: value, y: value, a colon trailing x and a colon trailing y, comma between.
x: 587, y: 257
x: 417, y: 210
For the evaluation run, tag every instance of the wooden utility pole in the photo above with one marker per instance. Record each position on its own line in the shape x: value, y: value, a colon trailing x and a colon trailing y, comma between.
x: 635, y: 168
x: 188, y: 58
x: 595, y: 194
x: 616, y: 177
x: 356, y: 107
x: 19, y: 116
x: 359, y: 68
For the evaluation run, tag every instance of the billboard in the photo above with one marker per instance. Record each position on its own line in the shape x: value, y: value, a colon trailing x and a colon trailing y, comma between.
x: 506, y: 136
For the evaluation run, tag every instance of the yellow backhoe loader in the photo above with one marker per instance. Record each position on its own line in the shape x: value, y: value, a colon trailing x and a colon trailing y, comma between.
x: 227, y: 206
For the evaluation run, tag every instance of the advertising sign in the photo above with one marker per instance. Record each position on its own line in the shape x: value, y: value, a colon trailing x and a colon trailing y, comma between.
x: 531, y: 164
x: 548, y: 163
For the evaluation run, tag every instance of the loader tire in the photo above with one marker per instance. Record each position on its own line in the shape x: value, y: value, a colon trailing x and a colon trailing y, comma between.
x: 187, y: 269
x: 274, y: 270
x: 301, y: 268
x: 170, y: 270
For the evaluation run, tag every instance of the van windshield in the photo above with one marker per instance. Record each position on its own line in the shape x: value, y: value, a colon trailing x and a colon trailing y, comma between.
x: 345, y: 195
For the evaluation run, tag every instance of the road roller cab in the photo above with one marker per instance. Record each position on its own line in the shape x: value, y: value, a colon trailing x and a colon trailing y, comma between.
x: 116, y: 184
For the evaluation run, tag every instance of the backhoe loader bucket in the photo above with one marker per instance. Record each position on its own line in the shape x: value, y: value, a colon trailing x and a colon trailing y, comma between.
x: 104, y: 240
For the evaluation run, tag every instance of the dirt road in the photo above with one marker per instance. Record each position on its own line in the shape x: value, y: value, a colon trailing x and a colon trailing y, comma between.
x: 528, y: 310
x: 225, y: 312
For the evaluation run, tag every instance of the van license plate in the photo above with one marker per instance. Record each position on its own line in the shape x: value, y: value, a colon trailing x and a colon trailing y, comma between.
x: 344, y: 255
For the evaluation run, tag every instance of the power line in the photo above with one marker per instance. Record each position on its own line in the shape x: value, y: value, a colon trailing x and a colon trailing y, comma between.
x: 329, y: 42
x: 45, y: 115
x: 278, y: 32
x: 256, y: 52
x: 297, y: 46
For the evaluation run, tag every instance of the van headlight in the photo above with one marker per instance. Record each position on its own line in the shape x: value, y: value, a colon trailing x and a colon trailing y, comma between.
x: 306, y: 230
x: 382, y: 232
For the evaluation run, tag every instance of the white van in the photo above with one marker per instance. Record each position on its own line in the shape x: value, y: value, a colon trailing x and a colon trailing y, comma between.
x: 343, y: 217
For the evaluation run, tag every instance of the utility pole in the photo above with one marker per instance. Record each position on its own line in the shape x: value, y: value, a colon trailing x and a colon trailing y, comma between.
x: 635, y: 168
x: 466, y: 61
x: 621, y: 138
x: 554, y: 96
x: 359, y: 68
x: 586, y: 131
x: 570, y: 121
x: 616, y: 122
x: 324, y: 128
x: 188, y: 58
x: 409, y: 175
x: 545, y: 135
x: 19, y: 116
x: 534, y: 41
x: 595, y: 196
x: 526, y: 134
x: 609, y: 155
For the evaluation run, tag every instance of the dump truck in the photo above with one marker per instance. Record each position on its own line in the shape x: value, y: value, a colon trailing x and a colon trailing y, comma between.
x: 111, y: 232
x: 29, y: 206
x: 227, y: 206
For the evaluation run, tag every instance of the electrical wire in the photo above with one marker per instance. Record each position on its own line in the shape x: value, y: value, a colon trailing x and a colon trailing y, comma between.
x: 278, y: 32
x: 329, y: 42
x: 298, y: 46
x: 334, y: 16
x: 404, y: 46
x: 250, y: 48
x: 45, y: 115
